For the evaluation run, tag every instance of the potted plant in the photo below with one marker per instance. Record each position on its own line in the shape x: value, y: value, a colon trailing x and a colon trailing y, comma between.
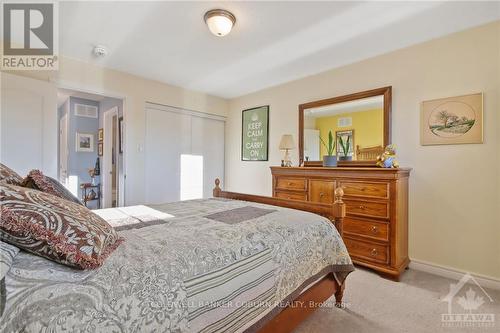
x: 329, y: 160
x: 345, y: 149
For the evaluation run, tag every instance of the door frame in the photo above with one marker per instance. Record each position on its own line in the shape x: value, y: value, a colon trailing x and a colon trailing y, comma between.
x: 107, y: 124
x: 97, y: 90
x: 63, y: 124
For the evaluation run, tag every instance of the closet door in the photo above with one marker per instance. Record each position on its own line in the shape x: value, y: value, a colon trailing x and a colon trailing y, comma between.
x: 28, y: 125
x: 184, y: 154
x: 208, y: 142
x: 167, y: 138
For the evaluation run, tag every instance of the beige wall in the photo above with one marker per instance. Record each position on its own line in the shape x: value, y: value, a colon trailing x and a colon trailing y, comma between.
x: 136, y: 91
x: 454, y: 190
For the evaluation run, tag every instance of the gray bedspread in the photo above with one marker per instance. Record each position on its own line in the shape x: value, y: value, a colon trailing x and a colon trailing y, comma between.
x: 193, y: 266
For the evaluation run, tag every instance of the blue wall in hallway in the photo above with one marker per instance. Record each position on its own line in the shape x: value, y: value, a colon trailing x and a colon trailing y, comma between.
x: 80, y: 162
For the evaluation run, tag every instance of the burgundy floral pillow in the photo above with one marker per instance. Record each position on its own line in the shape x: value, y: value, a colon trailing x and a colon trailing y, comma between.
x: 38, y: 181
x: 54, y: 228
x: 9, y: 176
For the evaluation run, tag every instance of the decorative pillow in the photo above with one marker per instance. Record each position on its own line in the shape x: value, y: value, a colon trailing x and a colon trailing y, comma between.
x: 38, y: 181
x: 9, y: 176
x: 54, y: 228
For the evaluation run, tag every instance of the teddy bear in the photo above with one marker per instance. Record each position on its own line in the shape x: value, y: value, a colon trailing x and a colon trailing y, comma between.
x: 388, y: 158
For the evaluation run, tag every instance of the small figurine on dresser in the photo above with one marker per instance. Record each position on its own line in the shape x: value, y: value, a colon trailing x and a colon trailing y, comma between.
x: 388, y: 158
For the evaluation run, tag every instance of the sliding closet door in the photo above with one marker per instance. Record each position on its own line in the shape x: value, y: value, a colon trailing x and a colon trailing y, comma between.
x: 166, y: 141
x: 184, y: 154
x: 208, y: 142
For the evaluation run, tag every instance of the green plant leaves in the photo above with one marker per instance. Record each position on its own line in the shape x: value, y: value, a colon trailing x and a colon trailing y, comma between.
x: 331, y: 143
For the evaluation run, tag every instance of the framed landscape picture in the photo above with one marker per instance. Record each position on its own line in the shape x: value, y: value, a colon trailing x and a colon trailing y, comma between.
x: 84, y: 142
x: 255, y: 134
x: 452, y: 120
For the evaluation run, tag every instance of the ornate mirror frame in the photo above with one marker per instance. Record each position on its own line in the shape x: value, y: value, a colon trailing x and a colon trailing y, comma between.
x: 385, y: 91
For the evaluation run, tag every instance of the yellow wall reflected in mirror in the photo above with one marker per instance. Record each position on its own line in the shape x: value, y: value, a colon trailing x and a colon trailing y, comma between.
x: 368, y: 126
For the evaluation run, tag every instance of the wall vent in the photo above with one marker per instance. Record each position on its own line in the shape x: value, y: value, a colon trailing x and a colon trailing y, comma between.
x: 89, y: 111
x: 344, y: 122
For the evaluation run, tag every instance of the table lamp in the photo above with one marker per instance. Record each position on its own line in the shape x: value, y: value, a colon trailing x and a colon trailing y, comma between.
x: 286, y: 144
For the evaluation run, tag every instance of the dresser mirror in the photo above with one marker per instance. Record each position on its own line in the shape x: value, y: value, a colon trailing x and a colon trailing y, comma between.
x: 360, y: 127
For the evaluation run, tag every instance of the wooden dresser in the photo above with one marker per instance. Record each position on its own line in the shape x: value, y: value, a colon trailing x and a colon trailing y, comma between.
x: 375, y: 229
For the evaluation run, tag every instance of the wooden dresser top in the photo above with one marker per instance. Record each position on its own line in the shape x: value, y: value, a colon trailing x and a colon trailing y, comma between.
x: 354, y: 171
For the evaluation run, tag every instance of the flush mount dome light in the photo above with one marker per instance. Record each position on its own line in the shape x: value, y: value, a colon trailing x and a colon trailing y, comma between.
x: 219, y: 21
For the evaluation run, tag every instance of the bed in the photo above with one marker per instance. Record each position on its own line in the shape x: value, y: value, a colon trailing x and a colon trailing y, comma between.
x: 231, y: 263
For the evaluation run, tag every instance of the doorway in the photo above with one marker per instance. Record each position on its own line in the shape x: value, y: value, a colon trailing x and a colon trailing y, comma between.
x: 90, y: 151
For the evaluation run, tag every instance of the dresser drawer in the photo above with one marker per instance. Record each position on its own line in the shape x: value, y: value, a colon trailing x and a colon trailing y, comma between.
x: 374, y: 190
x: 321, y: 191
x: 291, y: 183
x: 367, y: 251
x: 302, y: 196
x: 367, y: 208
x: 366, y: 228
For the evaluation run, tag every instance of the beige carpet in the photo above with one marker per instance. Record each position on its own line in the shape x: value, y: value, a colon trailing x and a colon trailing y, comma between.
x: 375, y: 304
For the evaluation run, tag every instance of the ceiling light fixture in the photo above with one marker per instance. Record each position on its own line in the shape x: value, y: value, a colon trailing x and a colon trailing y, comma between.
x: 219, y: 21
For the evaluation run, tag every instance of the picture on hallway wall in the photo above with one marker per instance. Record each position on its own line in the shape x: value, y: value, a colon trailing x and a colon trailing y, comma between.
x: 452, y: 120
x: 84, y: 142
x: 255, y: 134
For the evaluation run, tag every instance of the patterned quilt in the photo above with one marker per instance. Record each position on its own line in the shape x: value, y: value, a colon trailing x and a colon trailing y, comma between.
x: 194, y: 266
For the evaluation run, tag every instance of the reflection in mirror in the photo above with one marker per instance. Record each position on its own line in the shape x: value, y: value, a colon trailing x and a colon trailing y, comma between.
x: 357, y: 127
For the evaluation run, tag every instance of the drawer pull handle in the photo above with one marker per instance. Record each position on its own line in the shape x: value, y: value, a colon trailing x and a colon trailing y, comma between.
x: 322, y: 194
x: 361, y: 207
x: 374, y: 252
x: 374, y: 229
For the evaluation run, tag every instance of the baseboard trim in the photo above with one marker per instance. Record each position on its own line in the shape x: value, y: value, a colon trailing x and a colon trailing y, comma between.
x: 452, y: 273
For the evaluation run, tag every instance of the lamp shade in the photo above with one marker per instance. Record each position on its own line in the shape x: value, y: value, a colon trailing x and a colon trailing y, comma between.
x: 287, y: 142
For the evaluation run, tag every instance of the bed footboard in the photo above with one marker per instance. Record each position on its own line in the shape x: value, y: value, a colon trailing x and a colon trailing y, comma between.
x: 334, y: 212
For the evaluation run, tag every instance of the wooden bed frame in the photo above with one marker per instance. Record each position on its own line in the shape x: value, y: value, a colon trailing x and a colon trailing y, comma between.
x: 291, y: 317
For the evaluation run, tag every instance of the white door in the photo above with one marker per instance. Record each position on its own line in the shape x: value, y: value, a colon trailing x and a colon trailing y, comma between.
x: 107, y: 158
x: 184, y: 153
x: 29, y: 124
x: 311, y: 145
x: 166, y: 141
x: 207, y: 137
x: 63, y: 149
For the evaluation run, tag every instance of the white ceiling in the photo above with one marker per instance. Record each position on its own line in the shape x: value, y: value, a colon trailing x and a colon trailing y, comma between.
x: 271, y: 43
